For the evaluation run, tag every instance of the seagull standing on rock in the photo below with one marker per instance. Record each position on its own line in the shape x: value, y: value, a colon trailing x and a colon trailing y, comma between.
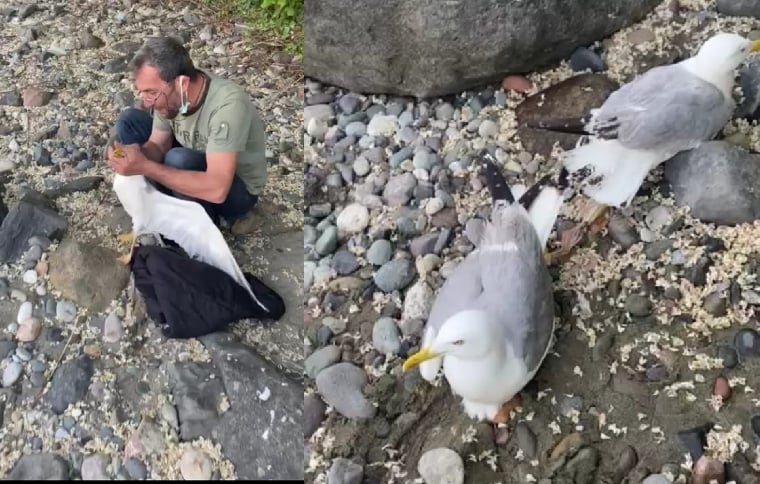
x: 492, y: 323
x: 666, y: 110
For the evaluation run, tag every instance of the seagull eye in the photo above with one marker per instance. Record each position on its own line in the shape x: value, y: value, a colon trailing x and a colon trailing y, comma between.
x: 459, y: 342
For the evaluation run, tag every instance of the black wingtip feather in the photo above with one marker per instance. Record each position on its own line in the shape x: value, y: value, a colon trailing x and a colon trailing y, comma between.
x: 500, y: 191
x: 495, y: 181
x: 530, y: 195
x: 564, y: 179
x: 561, y: 125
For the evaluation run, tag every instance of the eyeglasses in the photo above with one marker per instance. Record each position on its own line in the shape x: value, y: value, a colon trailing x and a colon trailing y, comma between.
x: 151, y: 95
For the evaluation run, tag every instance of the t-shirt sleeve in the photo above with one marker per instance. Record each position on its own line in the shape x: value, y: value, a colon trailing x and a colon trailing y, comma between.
x: 229, y: 127
x: 160, y: 123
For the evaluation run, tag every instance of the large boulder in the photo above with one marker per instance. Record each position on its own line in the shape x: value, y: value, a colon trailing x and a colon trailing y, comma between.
x: 88, y: 274
x: 718, y: 182
x: 424, y: 49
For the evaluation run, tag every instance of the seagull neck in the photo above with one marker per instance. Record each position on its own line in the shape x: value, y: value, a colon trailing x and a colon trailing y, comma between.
x: 492, y: 361
x: 497, y: 354
x: 707, y: 72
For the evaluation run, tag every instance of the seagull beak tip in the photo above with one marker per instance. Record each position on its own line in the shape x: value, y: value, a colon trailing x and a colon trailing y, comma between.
x: 423, y: 355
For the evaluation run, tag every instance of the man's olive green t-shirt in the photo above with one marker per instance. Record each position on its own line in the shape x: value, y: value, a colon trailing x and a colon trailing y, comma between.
x: 226, y: 121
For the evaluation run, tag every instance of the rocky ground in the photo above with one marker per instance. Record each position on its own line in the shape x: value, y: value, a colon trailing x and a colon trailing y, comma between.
x: 653, y: 374
x: 90, y: 388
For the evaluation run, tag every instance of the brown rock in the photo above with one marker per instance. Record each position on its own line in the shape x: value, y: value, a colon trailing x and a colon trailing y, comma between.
x: 573, y: 98
x: 446, y: 218
x: 64, y: 132
x: 195, y: 466
x: 134, y: 447
x: 516, y: 83
x: 346, y: 283
x: 93, y: 351
x: 146, y: 440
x: 669, y: 358
x: 35, y: 97
x: 501, y: 435
x: 722, y: 388
x: 89, y: 41
x: 41, y: 268
x: 629, y: 385
x: 268, y: 218
x: 639, y: 36
x: 708, y: 471
x: 87, y: 274
x: 568, y: 445
x: 626, y: 460
x: 308, y: 319
x: 29, y: 330
x: 127, y: 47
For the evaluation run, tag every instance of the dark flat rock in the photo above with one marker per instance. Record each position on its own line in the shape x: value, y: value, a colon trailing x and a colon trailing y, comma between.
x: 717, y: 181
x: 31, y: 216
x: 40, y: 467
x: 572, y: 98
x: 261, y: 431
x: 70, y: 383
x: 81, y: 184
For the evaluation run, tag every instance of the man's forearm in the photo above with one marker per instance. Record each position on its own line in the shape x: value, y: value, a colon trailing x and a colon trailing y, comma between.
x: 153, y: 152
x: 189, y: 183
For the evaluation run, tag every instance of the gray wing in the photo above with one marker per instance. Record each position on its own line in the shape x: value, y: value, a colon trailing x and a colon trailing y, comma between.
x: 460, y: 291
x: 517, y: 287
x: 667, y: 105
x: 513, y: 286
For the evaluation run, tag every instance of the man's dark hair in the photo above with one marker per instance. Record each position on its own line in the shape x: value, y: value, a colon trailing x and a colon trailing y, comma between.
x: 167, y: 55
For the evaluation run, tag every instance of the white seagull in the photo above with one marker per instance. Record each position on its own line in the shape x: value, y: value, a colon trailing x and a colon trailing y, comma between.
x: 666, y: 110
x: 492, y: 323
x: 182, y: 221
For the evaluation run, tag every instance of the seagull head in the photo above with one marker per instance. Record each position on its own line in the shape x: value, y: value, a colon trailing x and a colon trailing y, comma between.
x: 725, y: 52
x: 468, y: 335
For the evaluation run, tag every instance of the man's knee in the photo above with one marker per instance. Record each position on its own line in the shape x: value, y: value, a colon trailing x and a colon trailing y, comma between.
x: 133, y: 126
x: 185, y: 159
x: 129, y: 114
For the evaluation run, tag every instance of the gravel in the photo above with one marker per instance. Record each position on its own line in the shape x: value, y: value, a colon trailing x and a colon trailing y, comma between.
x: 441, y: 466
x: 385, y: 336
x: 83, y: 376
x: 651, y: 310
x: 341, y: 387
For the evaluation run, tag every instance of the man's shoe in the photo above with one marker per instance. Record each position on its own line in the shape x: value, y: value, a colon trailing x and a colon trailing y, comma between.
x: 244, y: 225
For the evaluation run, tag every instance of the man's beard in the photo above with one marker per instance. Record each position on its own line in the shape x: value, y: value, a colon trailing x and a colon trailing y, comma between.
x: 172, y: 113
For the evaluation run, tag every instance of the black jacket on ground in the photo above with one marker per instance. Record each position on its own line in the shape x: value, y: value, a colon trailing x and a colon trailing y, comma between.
x: 189, y: 298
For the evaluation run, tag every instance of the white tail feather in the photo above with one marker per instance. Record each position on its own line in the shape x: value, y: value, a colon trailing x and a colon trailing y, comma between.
x: 518, y: 190
x: 543, y: 212
x: 622, y: 170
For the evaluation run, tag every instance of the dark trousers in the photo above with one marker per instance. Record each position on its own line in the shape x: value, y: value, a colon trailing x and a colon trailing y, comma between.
x: 134, y: 126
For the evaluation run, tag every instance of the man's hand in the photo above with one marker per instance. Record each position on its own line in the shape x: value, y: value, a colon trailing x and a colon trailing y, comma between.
x: 127, y: 160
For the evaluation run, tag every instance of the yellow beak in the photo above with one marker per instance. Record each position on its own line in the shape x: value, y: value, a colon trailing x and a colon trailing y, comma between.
x: 755, y: 46
x: 423, y: 355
